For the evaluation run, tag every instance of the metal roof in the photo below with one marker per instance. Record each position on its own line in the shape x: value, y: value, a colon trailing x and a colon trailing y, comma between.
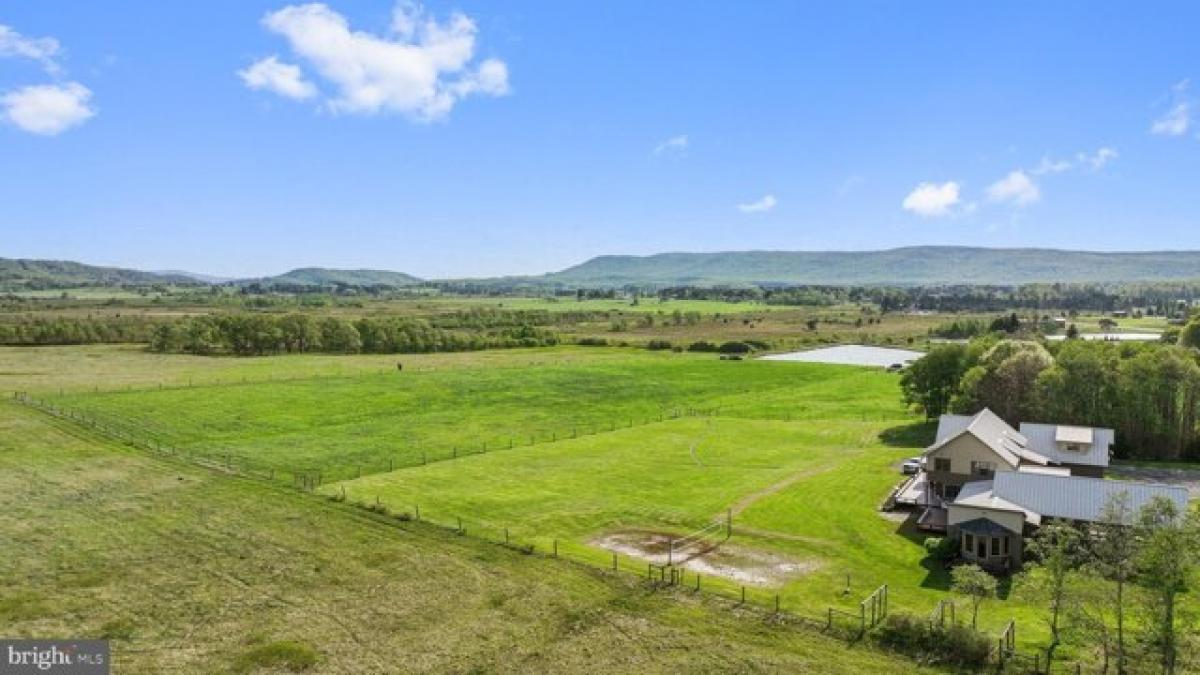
x: 1043, y: 439
x: 992, y: 432
x: 1075, y: 497
x: 984, y: 527
x: 950, y: 426
x: 1064, y: 434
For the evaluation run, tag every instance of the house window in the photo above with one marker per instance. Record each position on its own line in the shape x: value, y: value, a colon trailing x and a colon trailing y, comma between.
x: 968, y: 542
x: 995, y: 545
x: 987, y: 469
x: 1005, y: 545
x: 941, y: 464
x: 1073, y: 447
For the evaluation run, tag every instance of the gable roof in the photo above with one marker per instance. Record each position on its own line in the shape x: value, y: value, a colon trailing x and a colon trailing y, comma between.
x: 950, y: 426
x: 1075, y: 497
x: 984, y: 527
x: 992, y: 431
x: 1044, y: 438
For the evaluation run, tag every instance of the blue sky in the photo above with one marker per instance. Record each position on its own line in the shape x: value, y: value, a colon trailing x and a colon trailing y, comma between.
x: 240, y: 137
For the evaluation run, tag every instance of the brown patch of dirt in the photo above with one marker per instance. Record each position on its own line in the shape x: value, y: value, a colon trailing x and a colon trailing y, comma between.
x: 747, y: 566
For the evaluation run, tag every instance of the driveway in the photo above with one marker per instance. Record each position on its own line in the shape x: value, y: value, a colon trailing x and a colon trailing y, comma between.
x: 1189, y: 478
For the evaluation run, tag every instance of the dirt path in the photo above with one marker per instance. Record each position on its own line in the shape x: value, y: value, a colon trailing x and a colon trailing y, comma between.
x: 749, y: 500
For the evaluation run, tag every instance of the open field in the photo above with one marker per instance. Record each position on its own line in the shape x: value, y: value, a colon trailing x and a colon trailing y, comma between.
x: 801, y: 454
x: 342, y: 426
x: 193, y: 571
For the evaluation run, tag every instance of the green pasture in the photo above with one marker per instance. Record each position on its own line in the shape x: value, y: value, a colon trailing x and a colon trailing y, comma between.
x: 187, y: 570
x: 344, y: 426
x: 603, y: 440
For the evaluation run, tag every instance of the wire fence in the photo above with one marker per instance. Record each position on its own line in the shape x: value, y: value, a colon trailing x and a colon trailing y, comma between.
x: 676, y: 576
x: 335, y: 469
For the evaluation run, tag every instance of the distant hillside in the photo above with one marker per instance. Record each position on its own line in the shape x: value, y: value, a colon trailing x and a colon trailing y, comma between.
x: 18, y: 274
x: 195, y: 276
x: 320, y: 276
x: 919, y: 265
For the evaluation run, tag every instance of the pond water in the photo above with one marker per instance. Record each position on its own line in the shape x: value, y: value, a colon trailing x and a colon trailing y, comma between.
x: 851, y: 355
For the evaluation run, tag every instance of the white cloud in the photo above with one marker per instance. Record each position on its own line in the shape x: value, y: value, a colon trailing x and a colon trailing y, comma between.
x: 1049, y: 166
x: 1099, y: 159
x: 1175, y: 122
x: 767, y: 203
x: 43, y: 50
x: 273, y: 75
x: 932, y: 199
x: 1094, y: 160
x: 673, y: 144
x: 1016, y: 188
x: 47, y: 109
x: 421, y: 69
x: 1178, y: 118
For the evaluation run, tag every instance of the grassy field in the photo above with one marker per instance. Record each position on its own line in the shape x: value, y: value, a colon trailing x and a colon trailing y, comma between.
x: 346, y: 425
x: 193, y: 571
x: 627, y: 441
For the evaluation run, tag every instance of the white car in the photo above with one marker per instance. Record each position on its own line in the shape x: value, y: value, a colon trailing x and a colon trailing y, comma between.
x: 912, y: 465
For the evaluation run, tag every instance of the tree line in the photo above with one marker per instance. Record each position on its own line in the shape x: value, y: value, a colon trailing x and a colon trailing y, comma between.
x: 76, y: 331
x: 262, y: 334
x: 1149, y: 393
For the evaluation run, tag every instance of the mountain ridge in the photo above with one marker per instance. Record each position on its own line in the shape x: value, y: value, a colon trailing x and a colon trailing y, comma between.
x: 910, y: 265
x: 904, y: 266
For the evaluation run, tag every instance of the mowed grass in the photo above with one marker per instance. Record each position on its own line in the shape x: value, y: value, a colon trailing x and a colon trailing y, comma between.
x: 808, y: 489
x: 188, y: 570
x: 371, y: 422
x: 678, y: 474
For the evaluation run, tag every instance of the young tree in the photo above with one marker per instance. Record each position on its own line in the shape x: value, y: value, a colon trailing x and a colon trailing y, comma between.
x: 1112, y: 554
x: 1056, y: 548
x: 976, y: 584
x: 1189, y: 337
x: 1091, y: 619
x: 1167, y: 560
x: 931, y: 381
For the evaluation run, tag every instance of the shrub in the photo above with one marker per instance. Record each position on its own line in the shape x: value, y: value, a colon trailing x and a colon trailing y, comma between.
x: 940, y: 548
x: 657, y: 345
x: 734, y: 347
x: 702, y: 346
x: 955, y: 644
x: 592, y: 342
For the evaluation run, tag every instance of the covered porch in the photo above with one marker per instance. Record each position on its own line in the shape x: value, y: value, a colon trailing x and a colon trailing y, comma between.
x: 989, y: 544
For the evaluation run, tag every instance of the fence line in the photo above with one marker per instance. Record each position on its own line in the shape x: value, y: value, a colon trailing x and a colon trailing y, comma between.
x: 668, y: 576
x: 349, y: 469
